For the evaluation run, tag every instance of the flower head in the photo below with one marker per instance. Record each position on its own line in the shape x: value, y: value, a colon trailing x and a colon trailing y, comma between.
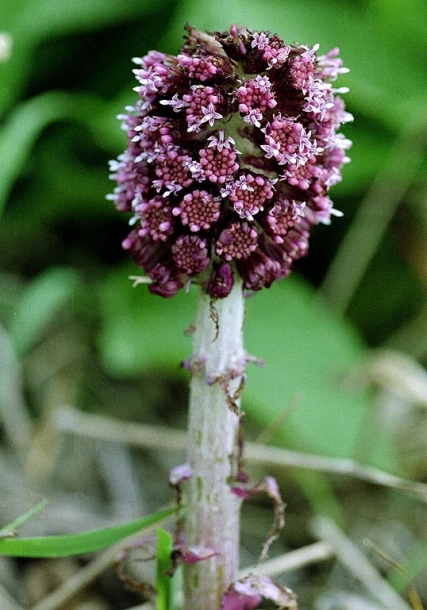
x: 233, y: 146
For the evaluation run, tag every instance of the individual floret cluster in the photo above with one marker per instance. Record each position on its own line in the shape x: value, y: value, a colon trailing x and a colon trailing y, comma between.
x: 233, y: 146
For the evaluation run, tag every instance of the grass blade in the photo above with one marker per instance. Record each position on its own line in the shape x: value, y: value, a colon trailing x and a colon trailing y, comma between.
x: 11, y: 527
x: 163, y: 578
x: 78, y: 544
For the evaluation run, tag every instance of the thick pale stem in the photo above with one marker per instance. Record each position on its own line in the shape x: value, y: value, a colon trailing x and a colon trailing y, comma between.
x: 218, y: 366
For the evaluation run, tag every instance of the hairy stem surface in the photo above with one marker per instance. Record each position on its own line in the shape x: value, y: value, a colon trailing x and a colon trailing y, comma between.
x: 218, y: 365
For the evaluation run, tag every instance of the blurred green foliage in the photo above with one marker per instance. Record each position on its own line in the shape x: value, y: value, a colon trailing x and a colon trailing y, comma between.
x: 62, y: 269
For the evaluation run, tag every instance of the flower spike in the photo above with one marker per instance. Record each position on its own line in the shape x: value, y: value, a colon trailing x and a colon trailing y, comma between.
x: 233, y: 146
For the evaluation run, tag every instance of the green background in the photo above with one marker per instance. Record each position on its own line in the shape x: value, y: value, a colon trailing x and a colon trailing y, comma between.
x: 68, y: 76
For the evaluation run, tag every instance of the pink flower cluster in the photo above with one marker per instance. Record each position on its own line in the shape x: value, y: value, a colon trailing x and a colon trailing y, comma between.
x: 233, y: 146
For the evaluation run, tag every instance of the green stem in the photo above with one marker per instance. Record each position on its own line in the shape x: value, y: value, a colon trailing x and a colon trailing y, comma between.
x: 212, y: 509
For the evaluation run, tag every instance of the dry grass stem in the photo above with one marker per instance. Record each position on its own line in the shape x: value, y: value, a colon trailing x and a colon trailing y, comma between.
x: 394, y: 370
x: 294, y: 560
x: 68, y: 419
x: 7, y: 601
x: 357, y: 564
x: 346, y: 601
x: 79, y: 580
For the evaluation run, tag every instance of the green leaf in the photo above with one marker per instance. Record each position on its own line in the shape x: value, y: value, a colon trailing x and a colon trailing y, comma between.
x: 164, y: 580
x: 39, y: 302
x: 78, y: 544
x: 36, y: 19
x: 31, y: 22
x: 140, y: 330
x: 26, y: 123
x: 307, y: 352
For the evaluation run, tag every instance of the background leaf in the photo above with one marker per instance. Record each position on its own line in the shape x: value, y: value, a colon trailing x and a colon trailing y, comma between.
x: 45, y: 296
x: 140, y: 332
x: 307, y: 356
